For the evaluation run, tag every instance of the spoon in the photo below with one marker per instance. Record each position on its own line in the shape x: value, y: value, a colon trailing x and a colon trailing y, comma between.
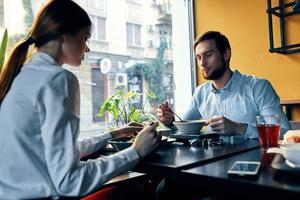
x: 176, y: 115
x: 169, y: 109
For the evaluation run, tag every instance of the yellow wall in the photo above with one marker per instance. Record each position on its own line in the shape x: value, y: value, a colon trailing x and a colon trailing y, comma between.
x: 245, y: 23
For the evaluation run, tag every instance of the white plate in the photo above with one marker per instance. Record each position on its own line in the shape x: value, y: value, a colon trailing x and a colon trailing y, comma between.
x: 291, y: 164
x: 279, y: 163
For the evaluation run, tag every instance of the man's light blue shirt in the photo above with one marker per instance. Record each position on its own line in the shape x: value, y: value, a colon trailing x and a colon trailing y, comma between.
x: 241, y: 100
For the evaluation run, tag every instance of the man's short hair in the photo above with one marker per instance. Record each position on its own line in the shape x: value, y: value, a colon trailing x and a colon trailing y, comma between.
x: 221, y: 40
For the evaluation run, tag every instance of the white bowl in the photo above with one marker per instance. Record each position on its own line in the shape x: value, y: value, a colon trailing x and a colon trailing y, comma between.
x: 290, y: 152
x: 164, y: 131
x: 189, y: 126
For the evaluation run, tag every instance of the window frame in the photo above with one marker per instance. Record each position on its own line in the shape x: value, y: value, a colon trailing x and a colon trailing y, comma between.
x: 183, y: 33
x: 95, y: 20
x: 133, y: 31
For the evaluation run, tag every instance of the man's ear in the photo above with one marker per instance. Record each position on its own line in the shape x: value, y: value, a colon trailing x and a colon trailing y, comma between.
x: 227, y: 54
x: 63, y: 37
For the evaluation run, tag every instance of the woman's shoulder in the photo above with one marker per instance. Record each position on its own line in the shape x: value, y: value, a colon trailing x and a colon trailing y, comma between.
x: 62, y: 75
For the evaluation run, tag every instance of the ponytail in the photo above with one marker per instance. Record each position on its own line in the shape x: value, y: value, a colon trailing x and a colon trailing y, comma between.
x: 13, y: 65
x: 57, y: 17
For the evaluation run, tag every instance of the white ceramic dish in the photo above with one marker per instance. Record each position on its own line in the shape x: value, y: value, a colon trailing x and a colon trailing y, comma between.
x: 120, y: 144
x: 164, y: 132
x: 280, y: 163
x: 290, y: 152
x: 190, y: 126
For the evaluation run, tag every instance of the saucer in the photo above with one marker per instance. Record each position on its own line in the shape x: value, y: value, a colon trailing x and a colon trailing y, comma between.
x: 279, y: 163
x: 291, y: 164
x: 189, y: 132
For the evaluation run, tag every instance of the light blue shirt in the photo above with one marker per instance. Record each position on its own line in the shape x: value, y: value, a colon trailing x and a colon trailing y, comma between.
x: 241, y: 100
x: 39, y: 126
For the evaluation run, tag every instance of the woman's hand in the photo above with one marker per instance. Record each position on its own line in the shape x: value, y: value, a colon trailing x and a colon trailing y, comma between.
x: 147, y: 140
x: 126, y: 131
x: 164, y: 114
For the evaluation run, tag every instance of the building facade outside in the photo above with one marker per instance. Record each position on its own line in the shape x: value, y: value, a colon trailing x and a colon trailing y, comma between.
x: 130, y: 49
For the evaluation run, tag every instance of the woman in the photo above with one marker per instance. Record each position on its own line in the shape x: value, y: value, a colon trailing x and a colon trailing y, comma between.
x: 39, y: 115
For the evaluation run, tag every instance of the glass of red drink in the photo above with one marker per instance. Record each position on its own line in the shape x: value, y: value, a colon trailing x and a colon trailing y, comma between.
x: 268, y: 127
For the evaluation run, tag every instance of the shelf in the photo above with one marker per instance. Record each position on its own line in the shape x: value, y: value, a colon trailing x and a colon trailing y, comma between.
x: 282, y: 13
x: 286, y: 14
x: 288, y: 49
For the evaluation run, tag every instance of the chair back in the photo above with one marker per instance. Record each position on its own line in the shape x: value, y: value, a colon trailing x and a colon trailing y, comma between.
x: 295, y: 125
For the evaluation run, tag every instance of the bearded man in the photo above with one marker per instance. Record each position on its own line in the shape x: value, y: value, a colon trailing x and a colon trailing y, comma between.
x: 230, y: 101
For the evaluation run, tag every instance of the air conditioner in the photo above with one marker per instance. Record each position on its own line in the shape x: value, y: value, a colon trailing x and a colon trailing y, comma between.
x: 150, y: 44
x: 121, y: 80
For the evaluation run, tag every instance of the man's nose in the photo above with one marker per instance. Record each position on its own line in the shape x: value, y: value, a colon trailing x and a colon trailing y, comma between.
x: 202, y: 62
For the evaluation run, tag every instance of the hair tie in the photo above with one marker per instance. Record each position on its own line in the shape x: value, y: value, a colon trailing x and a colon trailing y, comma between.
x: 29, y: 40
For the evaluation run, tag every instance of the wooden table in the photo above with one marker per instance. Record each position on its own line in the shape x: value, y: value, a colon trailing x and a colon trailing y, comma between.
x: 173, y: 157
x: 127, y: 178
x: 169, y: 159
x: 269, y: 183
x: 130, y: 181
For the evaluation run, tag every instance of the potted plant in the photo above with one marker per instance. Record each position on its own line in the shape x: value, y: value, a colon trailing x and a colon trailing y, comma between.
x: 3, y: 46
x: 121, y: 107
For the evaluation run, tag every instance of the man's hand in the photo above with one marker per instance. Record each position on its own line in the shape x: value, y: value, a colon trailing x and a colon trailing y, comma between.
x: 164, y: 114
x: 224, y: 126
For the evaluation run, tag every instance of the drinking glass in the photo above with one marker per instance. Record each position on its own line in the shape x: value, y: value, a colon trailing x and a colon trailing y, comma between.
x: 268, y: 127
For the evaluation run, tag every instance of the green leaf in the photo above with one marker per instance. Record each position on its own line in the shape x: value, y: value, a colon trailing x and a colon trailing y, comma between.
x: 131, y: 94
x: 115, y: 111
x: 134, y: 116
x: 3, y: 47
x: 151, y: 95
x: 122, y: 108
x: 105, y: 106
x: 150, y: 116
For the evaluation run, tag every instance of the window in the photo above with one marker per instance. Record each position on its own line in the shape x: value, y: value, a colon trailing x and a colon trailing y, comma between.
x: 166, y: 37
x: 97, y: 5
x: 128, y: 51
x: 98, y: 28
x: 1, y: 13
x: 135, y: 1
x: 133, y: 32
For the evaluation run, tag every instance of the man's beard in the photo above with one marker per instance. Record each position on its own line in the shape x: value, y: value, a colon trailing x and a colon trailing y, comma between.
x: 217, y: 73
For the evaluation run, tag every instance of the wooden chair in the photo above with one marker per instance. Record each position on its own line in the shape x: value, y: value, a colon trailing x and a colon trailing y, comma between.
x: 121, y: 188
x: 108, y: 193
x: 295, y: 125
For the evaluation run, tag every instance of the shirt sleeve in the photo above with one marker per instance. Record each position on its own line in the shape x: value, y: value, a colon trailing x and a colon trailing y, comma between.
x: 91, y: 145
x: 268, y: 103
x: 69, y: 175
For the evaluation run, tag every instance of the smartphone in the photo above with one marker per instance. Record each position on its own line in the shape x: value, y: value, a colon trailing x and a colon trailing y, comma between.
x: 244, y: 168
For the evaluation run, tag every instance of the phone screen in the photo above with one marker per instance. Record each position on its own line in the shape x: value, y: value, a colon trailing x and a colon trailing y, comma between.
x: 244, y: 168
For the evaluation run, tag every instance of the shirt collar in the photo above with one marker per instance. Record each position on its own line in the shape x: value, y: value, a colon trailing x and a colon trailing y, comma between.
x: 230, y: 85
x: 39, y: 56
